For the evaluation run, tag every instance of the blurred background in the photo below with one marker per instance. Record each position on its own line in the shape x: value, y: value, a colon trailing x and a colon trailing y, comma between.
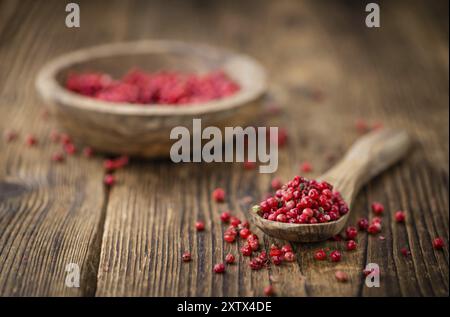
x: 331, y: 78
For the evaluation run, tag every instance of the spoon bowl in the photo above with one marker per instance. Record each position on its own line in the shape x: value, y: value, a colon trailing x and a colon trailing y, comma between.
x: 368, y: 156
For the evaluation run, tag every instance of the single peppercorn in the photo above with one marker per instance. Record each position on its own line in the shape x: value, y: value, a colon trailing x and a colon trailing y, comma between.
x: 400, y: 216
x: 269, y: 290
x: 305, y: 167
x: 246, y: 250
x: 374, y: 228
x: 230, y: 258
x: 351, y: 245
x: 351, y: 233
x: 219, y: 268
x: 235, y: 221
x: 225, y: 217
x: 377, y: 208
x: 58, y: 157
x: 276, y: 183
x: 335, y: 256
x: 31, y: 140
x: 186, y: 256
x: 341, y: 276
x: 363, y: 224
x: 289, y: 256
x: 405, y: 251
x: 320, y: 255
x: 438, y: 243
x: 109, y: 180
x: 218, y: 195
x: 200, y: 225
x: 244, y: 233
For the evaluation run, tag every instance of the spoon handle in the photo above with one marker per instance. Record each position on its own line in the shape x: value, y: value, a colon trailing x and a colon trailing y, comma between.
x: 368, y: 156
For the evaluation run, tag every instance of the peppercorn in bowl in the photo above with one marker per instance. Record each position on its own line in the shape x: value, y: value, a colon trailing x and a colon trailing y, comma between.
x: 126, y: 97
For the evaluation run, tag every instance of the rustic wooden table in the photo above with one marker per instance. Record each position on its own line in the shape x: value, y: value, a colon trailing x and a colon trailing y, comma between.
x: 327, y: 69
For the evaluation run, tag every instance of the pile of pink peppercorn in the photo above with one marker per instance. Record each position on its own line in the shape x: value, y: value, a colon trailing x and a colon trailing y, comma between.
x: 139, y: 87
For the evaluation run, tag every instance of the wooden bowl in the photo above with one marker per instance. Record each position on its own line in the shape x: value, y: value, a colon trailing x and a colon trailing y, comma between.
x: 144, y: 130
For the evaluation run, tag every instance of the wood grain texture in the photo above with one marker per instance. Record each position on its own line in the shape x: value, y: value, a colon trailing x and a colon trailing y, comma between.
x: 327, y: 70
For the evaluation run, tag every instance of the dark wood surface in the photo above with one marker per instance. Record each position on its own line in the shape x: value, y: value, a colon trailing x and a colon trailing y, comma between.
x: 326, y: 71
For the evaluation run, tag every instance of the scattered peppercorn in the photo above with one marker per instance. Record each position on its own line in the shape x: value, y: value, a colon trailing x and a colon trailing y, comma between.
x: 269, y: 291
x: 377, y: 208
x: 58, y: 157
x: 341, y: 276
x: 320, y: 255
x: 363, y: 224
x: 351, y: 245
x: 230, y: 258
x: 31, y: 140
x: 306, y: 167
x: 225, y: 217
x: 351, y: 233
x: 109, y: 180
x: 276, y: 184
x: 186, y: 256
x: 400, y: 216
x: 218, y: 195
x: 438, y: 243
x: 335, y: 256
x: 200, y: 225
x: 405, y: 251
x: 219, y: 268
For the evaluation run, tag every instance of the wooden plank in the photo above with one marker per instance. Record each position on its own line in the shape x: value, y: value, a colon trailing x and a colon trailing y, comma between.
x: 50, y: 214
x: 326, y: 68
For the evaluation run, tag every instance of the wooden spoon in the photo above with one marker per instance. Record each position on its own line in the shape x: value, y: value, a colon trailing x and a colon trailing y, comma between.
x: 367, y: 157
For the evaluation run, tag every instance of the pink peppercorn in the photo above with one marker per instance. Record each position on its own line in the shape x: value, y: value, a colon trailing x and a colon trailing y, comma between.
x: 10, y: 135
x: 244, y: 233
x: 186, y: 256
x: 31, y: 140
x: 249, y: 165
x: 219, y: 268
x: 109, y: 180
x: 438, y: 243
x: 58, y: 157
x: 374, y: 228
x: 235, y: 221
x: 268, y: 290
x: 218, y: 195
x: 276, y: 184
x: 351, y: 245
x: 88, y: 151
x: 289, y: 257
x: 361, y: 125
x: 230, y: 258
x: 377, y: 208
x: 351, y: 233
x: 70, y: 148
x: 230, y: 238
x: 400, y: 216
x: 320, y: 255
x: 363, y: 224
x: 306, y: 167
x: 286, y: 248
x: 246, y: 250
x: 405, y: 251
x: 341, y: 276
x: 225, y: 217
x: 335, y: 256
x: 200, y: 225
